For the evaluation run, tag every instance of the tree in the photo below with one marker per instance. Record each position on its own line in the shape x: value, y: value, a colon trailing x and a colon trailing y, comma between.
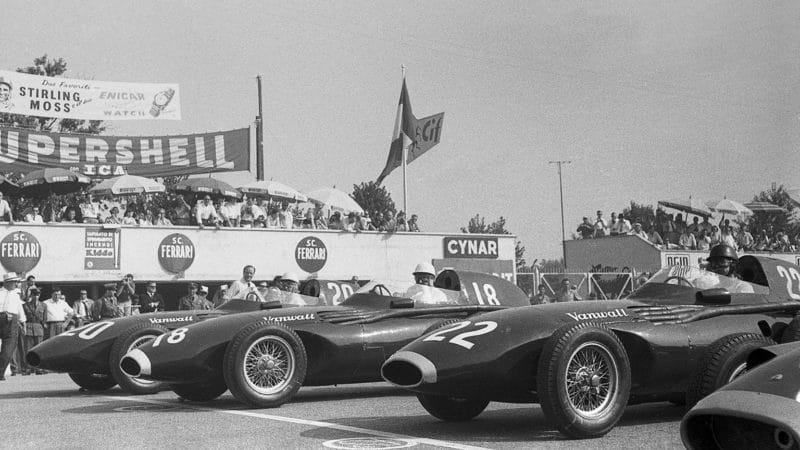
x: 51, y: 68
x: 773, y: 221
x: 373, y: 198
x: 477, y: 225
x: 644, y: 214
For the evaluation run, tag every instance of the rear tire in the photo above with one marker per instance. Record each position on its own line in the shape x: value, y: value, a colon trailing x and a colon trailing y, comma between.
x: 133, y: 338
x: 94, y: 381
x: 725, y: 360
x: 200, y: 392
x: 265, y: 364
x: 583, y: 380
x: 452, y: 409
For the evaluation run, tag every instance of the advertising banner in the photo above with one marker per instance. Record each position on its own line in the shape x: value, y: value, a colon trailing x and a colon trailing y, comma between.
x: 106, y: 156
x: 66, y: 98
x: 102, y: 249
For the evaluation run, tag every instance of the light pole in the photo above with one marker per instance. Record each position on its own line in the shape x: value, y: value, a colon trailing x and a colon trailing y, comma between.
x: 561, y: 191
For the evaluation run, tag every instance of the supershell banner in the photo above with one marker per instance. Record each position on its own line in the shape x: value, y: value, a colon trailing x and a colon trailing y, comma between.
x: 35, y: 95
x: 105, y: 156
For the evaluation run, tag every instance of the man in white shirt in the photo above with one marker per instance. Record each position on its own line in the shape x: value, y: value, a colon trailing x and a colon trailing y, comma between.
x: 285, y: 216
x: 57, y: 314
x: 12, y: 320
x: 230, y: 212
x: 90, y: 210
x: 34, y: 216
x: 241, y: 289
x: 5, y: 209
x: 206, y: 213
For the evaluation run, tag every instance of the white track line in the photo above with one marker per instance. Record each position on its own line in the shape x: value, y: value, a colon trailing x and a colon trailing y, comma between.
x: 312, y: 423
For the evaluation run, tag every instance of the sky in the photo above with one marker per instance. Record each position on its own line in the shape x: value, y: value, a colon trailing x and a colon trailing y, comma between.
x: 647, y: 100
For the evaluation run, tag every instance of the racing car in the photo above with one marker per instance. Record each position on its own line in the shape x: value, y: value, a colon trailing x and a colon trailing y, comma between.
x: 264, y: 357
x: 583, y: 362
x: 91, y: 354
x: 760, y: 409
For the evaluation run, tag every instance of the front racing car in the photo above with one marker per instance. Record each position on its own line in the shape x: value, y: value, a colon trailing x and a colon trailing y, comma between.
x: 683, y: 334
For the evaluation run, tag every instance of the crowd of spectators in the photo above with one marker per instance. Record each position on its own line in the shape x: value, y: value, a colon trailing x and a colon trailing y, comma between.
x: 671, y: 231
x: 170, y: 209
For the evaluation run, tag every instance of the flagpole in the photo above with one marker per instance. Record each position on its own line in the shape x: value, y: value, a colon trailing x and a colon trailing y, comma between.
x: 405, y: 149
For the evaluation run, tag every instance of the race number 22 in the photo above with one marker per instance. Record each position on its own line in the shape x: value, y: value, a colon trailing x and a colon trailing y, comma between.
x: 791, y: 275
x: 483, y: 327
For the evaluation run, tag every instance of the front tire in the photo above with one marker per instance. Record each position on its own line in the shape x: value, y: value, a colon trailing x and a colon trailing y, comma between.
x: 94, y: 381
x: 725, y: 360
x: 200, y: 392
x: 265, y: 365
x: 583, y: 380
x: 452, y: 409
x: 129, y: 340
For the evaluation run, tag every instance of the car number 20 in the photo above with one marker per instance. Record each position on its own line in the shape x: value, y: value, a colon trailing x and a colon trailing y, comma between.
x: 484, y: 327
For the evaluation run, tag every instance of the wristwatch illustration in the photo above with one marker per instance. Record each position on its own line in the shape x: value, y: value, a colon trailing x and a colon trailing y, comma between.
x: 160, y: 101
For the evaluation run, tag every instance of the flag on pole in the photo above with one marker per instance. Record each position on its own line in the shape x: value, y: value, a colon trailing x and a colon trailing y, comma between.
x: 416, y: 136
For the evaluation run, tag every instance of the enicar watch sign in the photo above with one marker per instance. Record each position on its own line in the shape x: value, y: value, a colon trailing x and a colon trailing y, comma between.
x: 176, y: 253
x: 311, y: 254
x: 20, y: 252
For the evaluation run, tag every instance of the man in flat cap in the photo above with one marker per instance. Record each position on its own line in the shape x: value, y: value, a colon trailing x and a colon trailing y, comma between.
x: 105, y: 307
x: 189, y: 301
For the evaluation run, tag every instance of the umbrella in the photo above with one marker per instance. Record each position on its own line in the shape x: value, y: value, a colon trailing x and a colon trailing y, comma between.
x: 730, y: 207
x: 272, y: 189
x: 127, y: 185
x: 42, y: 182
x: 765, y: 207
x: 691, y: 206
x: 7, y: 186
x: 794, y: 195
x: 208, y: 185
x: 334, y: 199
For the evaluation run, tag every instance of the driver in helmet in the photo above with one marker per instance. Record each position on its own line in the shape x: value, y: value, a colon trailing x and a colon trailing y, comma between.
x: 722, y: 260
x: 422, y: 291
x: 286, y: 290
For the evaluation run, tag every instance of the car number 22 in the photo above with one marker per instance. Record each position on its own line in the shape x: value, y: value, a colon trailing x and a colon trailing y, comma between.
x: 484, y: 327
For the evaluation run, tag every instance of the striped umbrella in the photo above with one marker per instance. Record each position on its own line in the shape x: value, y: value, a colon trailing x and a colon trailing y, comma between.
x: 207, y: 185
x: 274, y: 190
x: 766, y: 207
x: 52, y: 180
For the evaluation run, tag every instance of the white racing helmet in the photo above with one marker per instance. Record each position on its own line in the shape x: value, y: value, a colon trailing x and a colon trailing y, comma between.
x: 425, y: 267
x: 290, y: 276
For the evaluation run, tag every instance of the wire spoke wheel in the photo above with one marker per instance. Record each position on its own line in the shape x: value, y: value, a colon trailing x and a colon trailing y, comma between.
x: 269, y: 364
x: 591, y: 379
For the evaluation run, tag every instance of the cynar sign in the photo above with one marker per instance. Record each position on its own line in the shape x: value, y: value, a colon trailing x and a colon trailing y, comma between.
x: 471, y: 247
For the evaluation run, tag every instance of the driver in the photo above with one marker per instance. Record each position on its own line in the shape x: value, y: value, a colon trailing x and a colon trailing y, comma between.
x: 423, y: 291
x: 722, y: 260
x: 286, y: 290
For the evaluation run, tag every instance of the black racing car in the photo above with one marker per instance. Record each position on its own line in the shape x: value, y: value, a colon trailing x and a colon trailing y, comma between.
x: 760, y: 409
x: 91, y: 354
x: 680, y: 336
x: 264, y: 357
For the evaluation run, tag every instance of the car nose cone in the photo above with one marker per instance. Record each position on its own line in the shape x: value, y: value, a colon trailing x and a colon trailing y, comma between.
x: 408, y: 369
x: 135, y: 363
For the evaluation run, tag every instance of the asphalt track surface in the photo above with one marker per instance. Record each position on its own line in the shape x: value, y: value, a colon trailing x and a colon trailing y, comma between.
x: 48, y: 411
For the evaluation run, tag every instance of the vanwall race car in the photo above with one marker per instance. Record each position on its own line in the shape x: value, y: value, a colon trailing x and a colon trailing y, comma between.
x: 760, y: 409
x: 264, y: 357
x: 679, y: 337
x: 91, y: 354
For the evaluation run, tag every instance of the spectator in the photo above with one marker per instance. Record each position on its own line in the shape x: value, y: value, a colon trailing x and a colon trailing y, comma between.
x: 260, y: 222
x: 706, y: 225
x: 105, y: 307
x: 125, y: 289
x: 687, y: 241
x: 129, y: 219
x: 113, y: 217
x: 703, y: 242
x: 727, y: 236
x: 621, y: 226
x: 656, y: 239
x: 88, y: 304
x: 12, y: 320
x: 390, y: 224
x: 58, y: 314
x: 309, y: 221
x: 181, y: 211
x: 638, y: 231
x: 151, y: 301
x: 90, y: 210
x: 144, y: 219
x: 613, y: 227
x: 5, y: 211
x: 191, y: 299
x: 335, y: 221
x: 694, y: 228
x: 70, y: 216
x: 80, y: 316
x: 274, y: 218
x: 401, y: 221
x: 567, y: 294
x: 680, y: 225
x: 744, y: 239
x: 34, y: 216
x: 351, y: 224
x: 34, y: 330
x: 412, y: 224
x: 246, y: 217
x: 242, y: 288
x: 221, y: 296
x: 380, y: 222
x: 762, y: 241
x: 206, y: 214
x: 715, y: 235
x: 161, y: 219
x: 30, y: 283
x: 319, y: 220
x: 231, y: 213
x: 541, y: 298
x: 586, y: 229
x: 600, y: 226
x: 286, y: 217
x: 263, y: 210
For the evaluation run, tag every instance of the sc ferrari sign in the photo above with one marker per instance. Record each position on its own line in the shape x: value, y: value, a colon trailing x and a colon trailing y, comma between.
x: 471, y: 247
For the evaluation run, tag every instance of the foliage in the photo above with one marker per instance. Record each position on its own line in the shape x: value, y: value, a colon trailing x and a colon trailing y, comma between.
x: 51, y: 68
x: 637, y: 212
x: 477, y: 225
x: 373, y: 198
x: 772, y: 221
